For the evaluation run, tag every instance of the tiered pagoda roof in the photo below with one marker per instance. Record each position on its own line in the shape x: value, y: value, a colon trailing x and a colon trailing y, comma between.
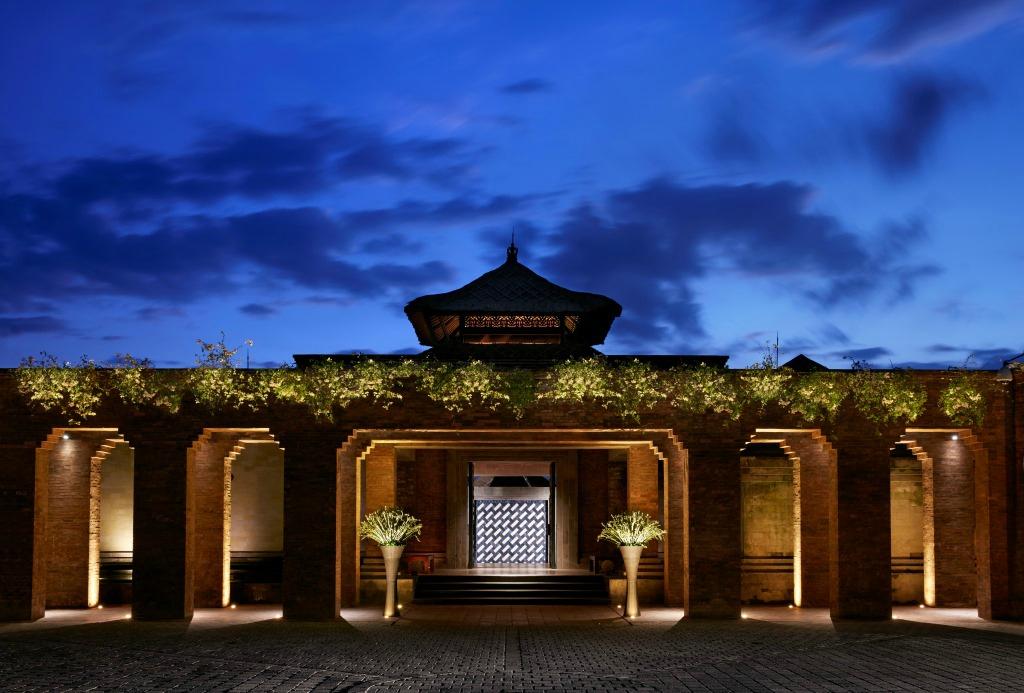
x: 512, y: 304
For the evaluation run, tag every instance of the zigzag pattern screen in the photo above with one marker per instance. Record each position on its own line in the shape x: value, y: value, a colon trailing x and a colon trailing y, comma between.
x: 511, y: 531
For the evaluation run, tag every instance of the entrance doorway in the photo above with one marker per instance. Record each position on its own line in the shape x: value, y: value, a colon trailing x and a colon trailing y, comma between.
x: 510, y: 514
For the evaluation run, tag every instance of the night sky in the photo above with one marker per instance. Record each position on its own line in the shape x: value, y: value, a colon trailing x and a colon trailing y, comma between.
x: 846, y: 174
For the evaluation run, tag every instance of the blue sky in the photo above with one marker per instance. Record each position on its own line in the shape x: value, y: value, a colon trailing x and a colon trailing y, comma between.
x: 845, y: 174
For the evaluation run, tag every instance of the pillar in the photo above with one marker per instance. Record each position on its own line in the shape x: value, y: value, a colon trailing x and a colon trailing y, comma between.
x: 675, y: 523
x: 712, y: 512
x: 950, y: 575
x: 859, y: 523
x: 319, y: 509
x: 567, y: 511
x: 593, y: 501
x: 457, y: 512
x: 23, y: 501
x: 811, y: 499
x: 163, y: 578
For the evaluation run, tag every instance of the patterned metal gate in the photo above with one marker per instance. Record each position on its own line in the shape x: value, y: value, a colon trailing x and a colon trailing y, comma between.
x: 511, y: 531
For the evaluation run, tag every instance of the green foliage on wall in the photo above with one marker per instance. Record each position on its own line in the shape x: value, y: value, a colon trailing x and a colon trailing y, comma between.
x: 963, y: 400
x: 630, y: 389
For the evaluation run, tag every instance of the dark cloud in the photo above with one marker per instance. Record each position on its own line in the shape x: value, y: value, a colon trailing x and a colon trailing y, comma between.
x: 973, y: 357
x: 879, y: 31
x: 12, y: 327
x: 865, y: 355
x: 534, y: 85
x: 229, y: 161
x: 257, y: 310
x: 158, y: 312
x: 920, y: 106
x: 653, y: 242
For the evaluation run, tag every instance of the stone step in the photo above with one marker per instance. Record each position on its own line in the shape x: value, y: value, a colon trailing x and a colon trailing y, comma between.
x: 511, y: 589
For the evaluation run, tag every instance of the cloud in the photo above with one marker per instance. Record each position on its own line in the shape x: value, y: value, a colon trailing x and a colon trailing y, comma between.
x: 879, y: 31
x: 315, y: 155
x: 973, y: 357
x: 920, y: 107
x: 865, y: 354
x: 654, y: 242
x: 257, y: 310
x: 14, y: 326
x: 534, y: 85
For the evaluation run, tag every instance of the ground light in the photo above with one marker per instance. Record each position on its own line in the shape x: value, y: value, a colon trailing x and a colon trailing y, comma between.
x: 955, y: 436
x: 99, y: 606
x: 234, y: 606
x: 66, y: 436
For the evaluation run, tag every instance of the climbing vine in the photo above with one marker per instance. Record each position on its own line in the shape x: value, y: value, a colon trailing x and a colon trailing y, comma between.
x: 704, y: 390
x: 816, y: 397
x: 963, y: 400
x: 71, y: 390
x: 886, y: 396
x: 630, y: 389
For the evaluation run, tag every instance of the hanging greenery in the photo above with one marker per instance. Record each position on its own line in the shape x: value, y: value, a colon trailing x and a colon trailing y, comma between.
x: 816, y: 397
x: 886, y: 396
x: 630, y: 389
x: 963, y: 400
x: 458, y: 386
x: 137, y: 383
x: 635, y: 388
x: 71, y: 390
x: 520, y: 388
x: 765, y: 383
x: 581, y: 381
x: 704, y: 390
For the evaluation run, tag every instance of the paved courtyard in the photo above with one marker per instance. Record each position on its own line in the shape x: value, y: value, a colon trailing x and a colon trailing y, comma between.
x: 511, y: 648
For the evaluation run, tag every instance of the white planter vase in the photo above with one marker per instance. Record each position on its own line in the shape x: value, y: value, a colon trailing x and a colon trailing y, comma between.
x: 392, y: 554
x: 631, y: 559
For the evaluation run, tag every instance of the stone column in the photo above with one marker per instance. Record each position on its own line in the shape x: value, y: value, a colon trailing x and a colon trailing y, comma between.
x: 163, y: 578
x: 23, y: 501
x: 859, y: 522
x: 319, y: 503
x: 712, y: 514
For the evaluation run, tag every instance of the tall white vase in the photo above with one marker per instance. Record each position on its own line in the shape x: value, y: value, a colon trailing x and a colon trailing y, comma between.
x: 392, y: 554
x: 631, y: 559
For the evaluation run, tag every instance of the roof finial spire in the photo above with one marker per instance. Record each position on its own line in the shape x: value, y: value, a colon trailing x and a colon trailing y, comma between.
x: 513, y: 252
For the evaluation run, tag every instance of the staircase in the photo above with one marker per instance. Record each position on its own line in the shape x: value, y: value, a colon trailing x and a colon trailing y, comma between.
x: 511, y: 589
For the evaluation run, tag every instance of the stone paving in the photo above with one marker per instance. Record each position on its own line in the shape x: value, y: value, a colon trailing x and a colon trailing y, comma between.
x: 511, y: 648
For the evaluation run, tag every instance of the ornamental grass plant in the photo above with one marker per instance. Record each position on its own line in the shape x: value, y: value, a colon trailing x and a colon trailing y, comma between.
x: 635, y: 528
x: 390, y: 526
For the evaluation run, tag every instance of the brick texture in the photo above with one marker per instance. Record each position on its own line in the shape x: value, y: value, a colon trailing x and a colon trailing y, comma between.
x: 859, y: 524
x: 163, y: 585
x: 23, y: 500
